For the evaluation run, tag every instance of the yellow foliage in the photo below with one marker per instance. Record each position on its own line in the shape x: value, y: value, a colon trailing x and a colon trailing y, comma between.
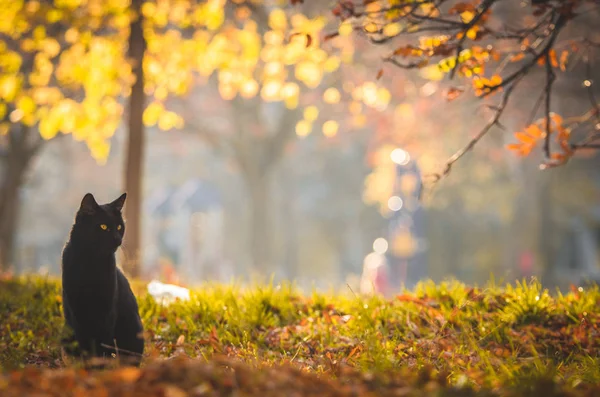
x: 311, y: 113
x: 249, y: 88
x: 9, y: 87
x: 290, y: 93
x: 167, y: 120
x: 331, y: 95
x: 152, y: 113
x: 345, y: 28
x: 72, y: 4
x: 99, y: 150
x: 330, y: 128
x: 80, y: 60
x: 392, y: 29
x: 48, y: 128
x: 277, y: 19
x: 303, y: 128
x: 26, y: 104
x: 271, y: 90
x: 331, y: 64
x: 309, y: 73
x: 90, y: 66
x: 50, y: 46
x: 467, y: 16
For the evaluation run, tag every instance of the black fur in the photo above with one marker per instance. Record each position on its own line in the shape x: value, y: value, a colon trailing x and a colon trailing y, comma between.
x: 98, y: 303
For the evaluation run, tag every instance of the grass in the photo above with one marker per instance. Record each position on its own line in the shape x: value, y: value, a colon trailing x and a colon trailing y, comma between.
x: 445, y: 338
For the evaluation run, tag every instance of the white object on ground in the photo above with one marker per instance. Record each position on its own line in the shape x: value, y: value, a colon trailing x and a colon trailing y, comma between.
x: 167, y: 293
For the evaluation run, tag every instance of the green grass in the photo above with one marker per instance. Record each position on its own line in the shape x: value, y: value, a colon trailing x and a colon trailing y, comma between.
x: 494, y: 339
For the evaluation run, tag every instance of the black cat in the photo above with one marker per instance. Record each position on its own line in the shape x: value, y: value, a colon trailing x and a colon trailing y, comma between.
x: 98, y: 303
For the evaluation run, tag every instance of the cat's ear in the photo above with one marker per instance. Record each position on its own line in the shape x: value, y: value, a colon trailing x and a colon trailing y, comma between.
x: 119, y: 203
x: 88, y: 204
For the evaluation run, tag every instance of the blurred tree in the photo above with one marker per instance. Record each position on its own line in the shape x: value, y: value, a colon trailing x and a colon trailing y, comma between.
x: 266, y: 63
x: 135, y: 146
x: 497, y: 46
x: 62, y: 68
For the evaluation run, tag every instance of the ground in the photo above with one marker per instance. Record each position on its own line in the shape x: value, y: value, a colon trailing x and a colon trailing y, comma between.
x: 447, y: 340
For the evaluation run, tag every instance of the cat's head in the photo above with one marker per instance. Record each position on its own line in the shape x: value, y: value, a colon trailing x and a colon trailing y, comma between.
x: 101, y: 225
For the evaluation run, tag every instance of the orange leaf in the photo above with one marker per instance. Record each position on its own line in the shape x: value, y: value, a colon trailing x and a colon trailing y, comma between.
x: 564, y: 56
x: 556, y: 118
x: 515, y: 147
x: 525, y: 150
x: 353, y: 352
x: 566, y: 147
x: 517, y: 57
x: 563, y: 133
x: 453, y: 93
x: 525, y: 138
x: 495, y: 80
x: 379, y: 74
x: 553, y: 60
x: 535, y: 131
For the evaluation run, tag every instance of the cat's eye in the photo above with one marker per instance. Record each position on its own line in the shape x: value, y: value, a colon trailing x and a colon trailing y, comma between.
x: 119, y: 227
x: 103, y: 227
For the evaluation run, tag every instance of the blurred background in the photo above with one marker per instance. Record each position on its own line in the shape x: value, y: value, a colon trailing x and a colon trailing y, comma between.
x: 270, y: 150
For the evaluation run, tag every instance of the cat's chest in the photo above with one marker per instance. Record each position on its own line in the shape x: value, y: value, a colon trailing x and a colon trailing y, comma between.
x: 89, y: 275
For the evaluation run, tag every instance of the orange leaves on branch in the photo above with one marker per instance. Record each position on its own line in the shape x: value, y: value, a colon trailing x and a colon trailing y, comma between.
x: 472, y: 33
x: 517, y: 57
x: 556, y: 118
x: 562, y: 137
x: 553, y: 59
x: 527, y: 140
x: 536, y: 132
x: 564, y: 57
x: 432, y: 42
x: 408, y: 51
x: 483, y: 85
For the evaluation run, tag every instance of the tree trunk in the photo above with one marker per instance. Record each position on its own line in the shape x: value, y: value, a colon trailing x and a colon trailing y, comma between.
x: 546, y: 231
x: 15, y: 165
x: 260, y: 224
x: 289, y: 222
x: 135, y: 147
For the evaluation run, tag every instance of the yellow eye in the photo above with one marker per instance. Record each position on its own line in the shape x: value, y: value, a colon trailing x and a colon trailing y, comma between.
x: 103, y: 227
x: 119, y: 227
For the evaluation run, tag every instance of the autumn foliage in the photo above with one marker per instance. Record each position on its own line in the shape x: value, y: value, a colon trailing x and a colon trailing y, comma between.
x: 489, y: 47
x: 64, y: 67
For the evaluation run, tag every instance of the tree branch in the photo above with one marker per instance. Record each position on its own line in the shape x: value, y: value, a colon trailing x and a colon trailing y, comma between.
x: 485, y: 6
x: 550, y: 77
x: 494, y: 121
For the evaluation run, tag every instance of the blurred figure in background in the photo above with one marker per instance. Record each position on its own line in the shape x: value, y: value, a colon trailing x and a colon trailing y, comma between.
x: 375, y: 276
